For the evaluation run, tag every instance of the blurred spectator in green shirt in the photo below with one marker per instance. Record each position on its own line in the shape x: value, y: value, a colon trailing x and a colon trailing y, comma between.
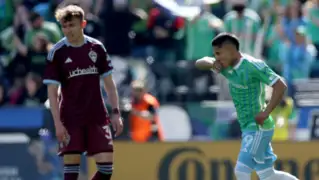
x: 262, y: 4
x: 199, y: 33
x: 244, y: 23
x: 6, y: 13
x: 313, y: 23
x: 274, y: 38
x: 51, y: 30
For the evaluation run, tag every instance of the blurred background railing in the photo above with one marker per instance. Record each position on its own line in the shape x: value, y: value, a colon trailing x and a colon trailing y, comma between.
x: 157, y: 42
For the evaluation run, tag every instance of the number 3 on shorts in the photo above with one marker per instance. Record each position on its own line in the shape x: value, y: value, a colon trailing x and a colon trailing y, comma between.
x: 108, y: 134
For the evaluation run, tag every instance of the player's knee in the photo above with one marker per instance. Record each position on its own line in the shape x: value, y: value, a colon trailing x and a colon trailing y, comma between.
x: 72, y: 163
x: 266, y: 174
x: 103, y: 157
x: 242, y: 172
x: 104, y: 162
x: 105, y: 168
x: 71, y: 158
x: 280, y: 175
x: 242, y: 175
x: 240, y: 167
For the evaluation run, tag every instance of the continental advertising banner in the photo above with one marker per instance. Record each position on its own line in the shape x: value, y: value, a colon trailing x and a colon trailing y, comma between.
x: 204, y: 160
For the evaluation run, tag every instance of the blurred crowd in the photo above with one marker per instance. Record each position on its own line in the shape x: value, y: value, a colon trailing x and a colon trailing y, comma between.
x: 156, y: 42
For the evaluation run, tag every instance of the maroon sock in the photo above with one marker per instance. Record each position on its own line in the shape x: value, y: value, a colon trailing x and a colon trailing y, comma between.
x: 71, y: 171
x: 104, y: 171
x: 71, y: 176
x: 100, y: 176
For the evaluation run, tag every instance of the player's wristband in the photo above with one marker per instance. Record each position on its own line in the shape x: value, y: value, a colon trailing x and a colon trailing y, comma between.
x: 115, y: 111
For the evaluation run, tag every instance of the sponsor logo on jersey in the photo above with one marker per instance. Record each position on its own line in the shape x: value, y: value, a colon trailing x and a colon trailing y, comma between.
x: 81, y: 72
x: 239, y: 86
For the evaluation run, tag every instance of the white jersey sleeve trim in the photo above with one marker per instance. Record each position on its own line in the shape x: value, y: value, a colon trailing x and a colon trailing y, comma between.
x: 106, y: 74
x: 93, y: 40
x: 51, y: 81
x: 57, y: 46
x: 274, y: 81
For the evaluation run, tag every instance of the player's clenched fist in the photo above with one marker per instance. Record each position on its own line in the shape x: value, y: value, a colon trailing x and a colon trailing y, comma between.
x: 208, y: 63
x: 117, y: 124
x: 261, y: 117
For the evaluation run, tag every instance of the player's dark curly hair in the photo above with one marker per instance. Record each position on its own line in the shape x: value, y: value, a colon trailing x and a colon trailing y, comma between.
x: 223, y: 38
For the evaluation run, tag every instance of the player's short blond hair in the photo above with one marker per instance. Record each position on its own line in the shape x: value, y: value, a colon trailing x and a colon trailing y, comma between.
x: 69, y: 12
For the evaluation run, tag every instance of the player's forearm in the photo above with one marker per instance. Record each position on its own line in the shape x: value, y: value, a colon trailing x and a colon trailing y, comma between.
x: 55, y: 110
x: 54, y: 104
x: 114, y: 100
x: 205, y: 63
x: 208, y: 63
x: 111, y: 91
x: 278, y: 92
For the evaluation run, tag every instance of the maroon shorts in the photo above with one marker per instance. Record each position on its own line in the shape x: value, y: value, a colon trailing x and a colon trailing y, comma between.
x: 92, y: 139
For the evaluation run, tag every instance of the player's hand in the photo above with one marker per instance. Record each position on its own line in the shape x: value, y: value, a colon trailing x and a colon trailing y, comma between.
x: 261, y: 117
x: 62, y: 134
x: 217, y: 67
x: 117, y: 124
x: 208, y: 63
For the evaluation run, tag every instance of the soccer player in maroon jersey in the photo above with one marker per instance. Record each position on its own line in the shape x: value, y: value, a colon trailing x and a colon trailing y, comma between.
x: 77, y: 63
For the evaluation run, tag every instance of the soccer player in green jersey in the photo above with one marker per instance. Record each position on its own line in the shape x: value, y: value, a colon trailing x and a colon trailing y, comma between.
x: 247, y: 78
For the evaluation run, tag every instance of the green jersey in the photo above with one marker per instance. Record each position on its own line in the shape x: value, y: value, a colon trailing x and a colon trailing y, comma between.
x: 244, y: 27
x: 199, y: 35
x: 247, y: 84
x: 312, y: 27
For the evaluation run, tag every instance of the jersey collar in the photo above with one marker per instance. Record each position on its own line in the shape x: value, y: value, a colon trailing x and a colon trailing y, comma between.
x: 69, y: 44
x: 239, y: 63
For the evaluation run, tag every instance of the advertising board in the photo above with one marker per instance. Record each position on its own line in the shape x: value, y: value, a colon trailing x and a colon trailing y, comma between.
x: 204, y: 160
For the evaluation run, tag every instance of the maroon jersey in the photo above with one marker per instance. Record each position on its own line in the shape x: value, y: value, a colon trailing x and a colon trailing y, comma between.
x: 78, y: 70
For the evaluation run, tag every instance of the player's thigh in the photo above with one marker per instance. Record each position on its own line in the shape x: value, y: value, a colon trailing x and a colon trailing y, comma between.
x: 244, y: 157
x: 103, y: 157
x: 100, y: 141
x: 261, y: 147
x: 266, y: 169
x: 71, y: 158
x: 255, y: 148
x: 270, y: 158
x: 76, y: 144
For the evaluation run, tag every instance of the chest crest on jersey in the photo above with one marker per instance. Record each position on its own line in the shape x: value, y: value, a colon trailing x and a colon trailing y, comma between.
x: 93, y: 55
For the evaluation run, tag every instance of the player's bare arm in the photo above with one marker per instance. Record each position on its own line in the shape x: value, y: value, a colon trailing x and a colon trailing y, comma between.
x: 111, y: 91
x: 208, y: 63
x: 53, y: 95
x: 277, y: 95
